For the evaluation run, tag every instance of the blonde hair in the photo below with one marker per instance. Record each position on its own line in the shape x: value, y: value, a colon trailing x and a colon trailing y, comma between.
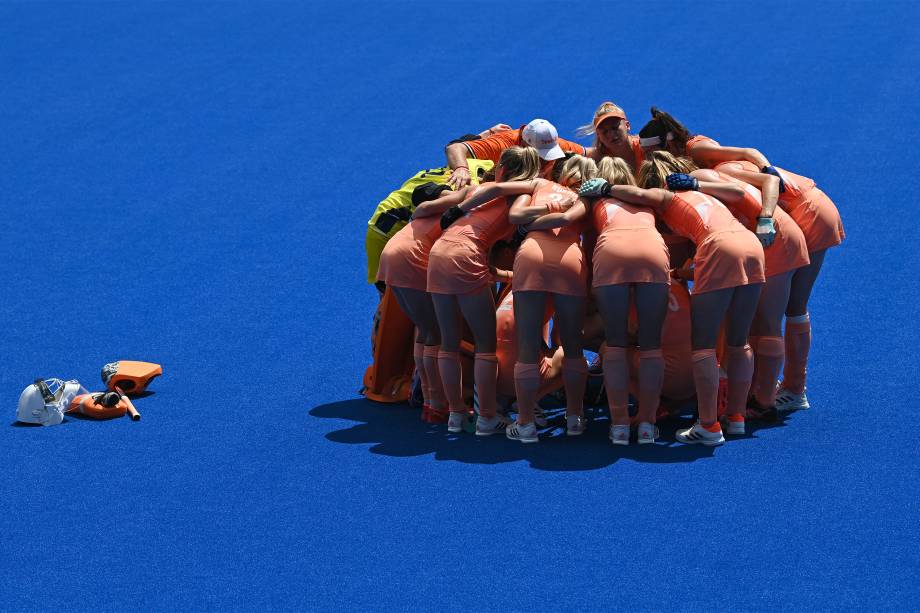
x: 659, y: 164
x: 615, y: 171
x: 587, y: 130
x: 519, y: 163
x: 576, y: 170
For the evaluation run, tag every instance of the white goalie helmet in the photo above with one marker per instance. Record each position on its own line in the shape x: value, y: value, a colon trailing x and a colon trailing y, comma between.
x: 45, y: 401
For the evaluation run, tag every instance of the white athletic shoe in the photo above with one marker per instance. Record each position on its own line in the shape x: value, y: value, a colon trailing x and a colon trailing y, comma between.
x: 619, y: 435
x: 734, y: 428
x: 526, y: 433
x: 539, y: 417
x: 647, y: 433
x: 700, y: 435
x: 488, y: 427
x: 787, y: 400
x: 575, y: 425
x: 455, y: 422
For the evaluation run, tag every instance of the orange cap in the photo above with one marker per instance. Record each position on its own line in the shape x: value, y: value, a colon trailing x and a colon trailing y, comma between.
x: 616, y: 112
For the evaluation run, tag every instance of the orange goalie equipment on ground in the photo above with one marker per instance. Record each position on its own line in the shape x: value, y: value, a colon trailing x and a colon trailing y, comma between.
x: 85, y: 404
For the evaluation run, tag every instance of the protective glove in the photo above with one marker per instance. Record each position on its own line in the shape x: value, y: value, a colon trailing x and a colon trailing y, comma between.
x: 594, y: 188
x: 766, y: 231
x: 450, y: 216
x: 771, y: 170
x: 681, y: 182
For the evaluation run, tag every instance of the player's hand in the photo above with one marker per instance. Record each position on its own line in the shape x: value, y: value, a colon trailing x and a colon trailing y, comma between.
x: 681, y: 182
x: 450, y: 216
x: 459, y: 178
x: 499, y: 127
x: 771, y: 170
x: 594, y: 188
x: 766, y: 231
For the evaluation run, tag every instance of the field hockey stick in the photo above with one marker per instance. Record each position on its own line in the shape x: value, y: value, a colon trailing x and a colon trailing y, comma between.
x: 131, y: 410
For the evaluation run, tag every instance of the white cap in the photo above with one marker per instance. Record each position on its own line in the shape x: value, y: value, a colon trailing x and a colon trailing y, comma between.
x: 542, y: 136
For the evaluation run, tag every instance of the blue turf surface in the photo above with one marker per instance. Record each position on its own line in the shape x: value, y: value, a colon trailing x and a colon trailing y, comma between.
x: 188, y: 183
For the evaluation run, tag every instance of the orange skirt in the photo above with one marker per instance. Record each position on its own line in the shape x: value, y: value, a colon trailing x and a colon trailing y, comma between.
x: 789, y: 249
x: 457, y: 267
x: 819, y: 220
x: 404, y: 260
x: 631, y: 255
x: 545, y: 264
x: 727, y: 258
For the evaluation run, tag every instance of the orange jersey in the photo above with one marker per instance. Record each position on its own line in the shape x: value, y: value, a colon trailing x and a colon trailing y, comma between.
x: 750, y: 207
x: 695, y: 215
x: 696, y: 140
x: 491, y: 148
x: 812, y: 210
x: 483, y: 226
x: 629, y: 248
x: 552, y: 260
x: 549, y: 194
x: 459, y: 261
x: 796, y: 185
x: 404, y: 260
x: 635, y: 143
x: 789, y: 250
x: 612, y: 214
x: 727, y: 253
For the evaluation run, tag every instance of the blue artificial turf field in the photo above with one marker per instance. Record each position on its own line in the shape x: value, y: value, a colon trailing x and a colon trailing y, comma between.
x: 188, y: 183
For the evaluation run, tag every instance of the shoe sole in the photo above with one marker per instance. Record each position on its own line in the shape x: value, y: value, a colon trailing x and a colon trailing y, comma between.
x: 480, y: 433
x: 574, y: 433
x: 523, y: 440
x: 792, y: 407
x: 623, y: 443
x: 700, y: 441
x: 647, y: 441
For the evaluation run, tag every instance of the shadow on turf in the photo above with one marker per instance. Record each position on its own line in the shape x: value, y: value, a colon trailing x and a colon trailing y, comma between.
x: 396, y: 430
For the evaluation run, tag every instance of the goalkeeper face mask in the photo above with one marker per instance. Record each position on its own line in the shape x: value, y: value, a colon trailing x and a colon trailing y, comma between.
x: 45, y: 401
x: 129, y: 376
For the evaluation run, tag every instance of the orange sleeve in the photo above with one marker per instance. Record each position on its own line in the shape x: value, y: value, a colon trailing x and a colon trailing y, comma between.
x: 491, y: 148
x: 696, y: 140
x: 567, y: 145
x: 638, y: 151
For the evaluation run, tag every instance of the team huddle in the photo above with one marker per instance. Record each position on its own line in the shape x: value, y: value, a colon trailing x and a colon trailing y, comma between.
x: 674, y: 258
